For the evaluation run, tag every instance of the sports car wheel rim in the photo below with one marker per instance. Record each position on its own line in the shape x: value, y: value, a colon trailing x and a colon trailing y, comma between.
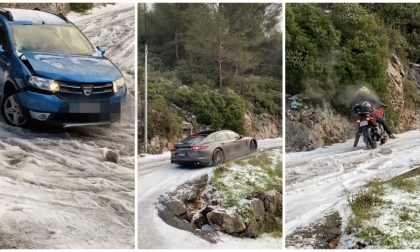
x: 13, y: 112
x: 218, y: 158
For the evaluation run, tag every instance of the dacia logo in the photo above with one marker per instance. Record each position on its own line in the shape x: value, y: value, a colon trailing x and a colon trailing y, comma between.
x: 87, y: 90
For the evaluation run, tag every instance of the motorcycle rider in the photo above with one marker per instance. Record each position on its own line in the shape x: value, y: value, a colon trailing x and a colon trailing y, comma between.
x: 363, y: 94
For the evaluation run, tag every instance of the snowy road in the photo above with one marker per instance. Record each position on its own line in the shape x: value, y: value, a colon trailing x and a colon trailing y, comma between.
x: 157, y: 176
x: 319, y: 181
x: 56, y: 189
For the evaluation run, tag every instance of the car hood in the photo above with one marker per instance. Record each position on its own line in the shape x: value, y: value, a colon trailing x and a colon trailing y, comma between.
x: 73, y: 68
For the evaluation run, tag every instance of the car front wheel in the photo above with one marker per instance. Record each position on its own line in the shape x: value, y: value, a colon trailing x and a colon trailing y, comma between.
x: 13, y: 112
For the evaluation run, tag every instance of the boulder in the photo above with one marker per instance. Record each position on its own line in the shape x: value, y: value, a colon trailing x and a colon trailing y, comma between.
x: 257, y: 208
x: 225, y: 222
x: 176, y: 207
x: 272, y: 201
x: 252, y: 228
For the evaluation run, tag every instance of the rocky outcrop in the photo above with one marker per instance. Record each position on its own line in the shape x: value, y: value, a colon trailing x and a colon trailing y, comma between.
x: 198, y: 208
x: 311, y: 127
x: 400, y: 76
x: 262, y: 126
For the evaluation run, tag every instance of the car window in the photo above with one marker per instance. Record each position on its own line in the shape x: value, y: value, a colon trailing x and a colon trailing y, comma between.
x: 61, y: 39
x: 232, y: 135
x: 221, y: 137
x: 192, y: 139
x: 3, y: 38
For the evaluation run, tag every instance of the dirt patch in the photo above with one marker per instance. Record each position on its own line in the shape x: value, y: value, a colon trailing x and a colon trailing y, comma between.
x: 324, y: 234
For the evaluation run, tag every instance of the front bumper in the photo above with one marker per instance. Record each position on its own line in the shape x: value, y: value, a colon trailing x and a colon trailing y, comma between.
x: 75, y: 112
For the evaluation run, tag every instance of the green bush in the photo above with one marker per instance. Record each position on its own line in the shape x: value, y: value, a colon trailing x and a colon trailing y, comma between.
x: 163, y: 119
x: 219, y: 110
x: 81, y: 7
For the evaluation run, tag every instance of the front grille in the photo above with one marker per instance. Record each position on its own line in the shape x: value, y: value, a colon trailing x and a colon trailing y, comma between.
x: 75, y: 90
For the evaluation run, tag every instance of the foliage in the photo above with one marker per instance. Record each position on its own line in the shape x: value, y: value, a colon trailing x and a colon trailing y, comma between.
x: 226, y: 57
x: 81, y: 7
x: 220, y: 110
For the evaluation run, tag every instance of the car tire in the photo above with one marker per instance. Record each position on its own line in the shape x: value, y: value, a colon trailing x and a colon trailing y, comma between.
x: 12, y: 112
x: 252, y: 146
x: 218, y: 157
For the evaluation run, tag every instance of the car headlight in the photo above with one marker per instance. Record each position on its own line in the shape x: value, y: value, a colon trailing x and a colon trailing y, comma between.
x: 117, y: 85
x: 44, y: 84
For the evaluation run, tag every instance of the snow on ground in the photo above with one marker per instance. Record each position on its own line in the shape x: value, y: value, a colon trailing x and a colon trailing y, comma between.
x: 318, y: 181
x: 157, y: 176
x: 394, y: 223
x: 56, y: 189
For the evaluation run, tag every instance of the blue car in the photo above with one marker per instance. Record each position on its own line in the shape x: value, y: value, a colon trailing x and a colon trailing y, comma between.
x: 51, y: 74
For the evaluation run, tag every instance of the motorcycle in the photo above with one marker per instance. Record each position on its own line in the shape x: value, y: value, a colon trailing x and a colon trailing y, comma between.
x: 369, y: 128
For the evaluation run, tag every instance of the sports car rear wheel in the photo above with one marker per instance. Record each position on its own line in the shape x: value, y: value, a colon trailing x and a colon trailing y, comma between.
x: 218, y: 157
x: 252, y: 146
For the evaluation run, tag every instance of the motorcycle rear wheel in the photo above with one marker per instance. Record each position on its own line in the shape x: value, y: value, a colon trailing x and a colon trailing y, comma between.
x: 367, y: 138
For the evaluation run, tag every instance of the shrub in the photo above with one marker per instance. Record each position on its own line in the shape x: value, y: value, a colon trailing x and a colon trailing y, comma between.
x: 81, y: 7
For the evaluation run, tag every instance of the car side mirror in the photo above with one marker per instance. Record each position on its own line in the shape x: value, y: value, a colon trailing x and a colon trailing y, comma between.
x: 101, y: 49
x: 1, y: 49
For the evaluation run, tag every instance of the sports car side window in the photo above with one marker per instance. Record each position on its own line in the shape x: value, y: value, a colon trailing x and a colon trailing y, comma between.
x: 221, y: 137
x: 232, y: 135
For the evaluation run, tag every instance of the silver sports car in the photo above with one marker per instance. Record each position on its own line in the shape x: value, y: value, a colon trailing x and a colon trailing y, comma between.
x: 211, y: 148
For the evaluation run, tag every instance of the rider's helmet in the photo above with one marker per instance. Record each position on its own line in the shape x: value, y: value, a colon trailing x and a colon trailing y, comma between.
x: 363, y: 92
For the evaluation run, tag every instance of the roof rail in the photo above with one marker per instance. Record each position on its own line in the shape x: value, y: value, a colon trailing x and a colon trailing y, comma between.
x: 58, y: 14
x: 7, y: 14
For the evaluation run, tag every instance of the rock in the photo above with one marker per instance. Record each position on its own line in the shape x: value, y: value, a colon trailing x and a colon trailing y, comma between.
x: 176, y: 207
x: 111, y: 156
x: 257, y: 208
x: 189, y: 192
x: 262, y: 126
x: 272, y: 201
x: 199, y: 220
x: 316, y: 126
x: 225, y: 222
x: 252, y: 229
x: 271, y: 221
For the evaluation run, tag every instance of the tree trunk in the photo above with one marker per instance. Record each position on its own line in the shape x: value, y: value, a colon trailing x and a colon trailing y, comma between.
x: 220, y: 72
x: 176, y: 47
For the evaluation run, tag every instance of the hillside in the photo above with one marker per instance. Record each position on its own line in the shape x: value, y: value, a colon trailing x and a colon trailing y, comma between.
x: 210, y: 67
x: 332, y: 49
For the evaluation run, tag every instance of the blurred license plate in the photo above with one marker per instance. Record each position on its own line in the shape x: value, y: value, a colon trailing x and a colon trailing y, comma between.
x: 85, y: 108
x: 181, y: 154
x: 363, y: 123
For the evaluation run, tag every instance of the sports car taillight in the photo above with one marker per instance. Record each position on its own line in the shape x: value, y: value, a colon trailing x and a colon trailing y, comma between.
x: 199, y: 147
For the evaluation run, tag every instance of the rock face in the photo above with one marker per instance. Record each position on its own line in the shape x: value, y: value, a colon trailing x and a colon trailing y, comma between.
x: 400, y: 77
x: 58, y: 7
x: 262, y: 126
x: 310, y: 128
x: 225, y: 222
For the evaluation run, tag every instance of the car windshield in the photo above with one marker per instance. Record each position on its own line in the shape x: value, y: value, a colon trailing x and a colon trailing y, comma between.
x: 193, y: 139
x: 60, y: 39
